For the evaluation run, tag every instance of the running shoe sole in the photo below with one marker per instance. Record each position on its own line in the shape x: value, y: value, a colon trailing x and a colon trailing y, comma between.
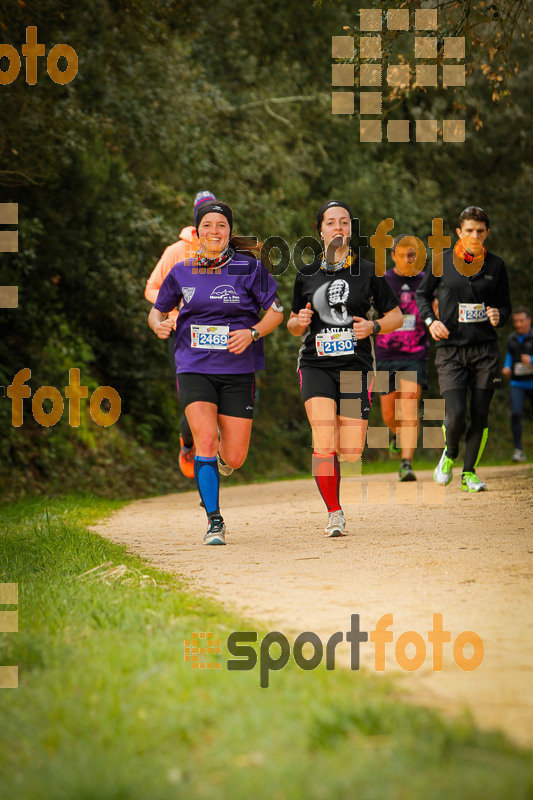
x: 216, y: 538
x: 186, y: 467
x: 335, y: 534
x: 186, y: 459
x: 409, y: 476
x: 223, y: 468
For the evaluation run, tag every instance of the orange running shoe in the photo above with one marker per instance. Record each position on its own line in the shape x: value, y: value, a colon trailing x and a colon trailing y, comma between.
x: 187, y: 459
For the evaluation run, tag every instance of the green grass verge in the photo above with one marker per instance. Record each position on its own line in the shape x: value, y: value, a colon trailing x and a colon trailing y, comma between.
x: 107, y: 709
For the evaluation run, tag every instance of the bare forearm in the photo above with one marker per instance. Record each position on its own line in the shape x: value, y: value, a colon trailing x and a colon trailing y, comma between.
x: 155, y: 318
x: 295, y: 327
x: 391, y: 321
x: 269, y: 322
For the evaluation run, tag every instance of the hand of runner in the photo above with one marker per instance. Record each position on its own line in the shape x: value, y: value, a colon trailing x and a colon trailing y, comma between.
x: 165, y: 328
x: 362, y: 327
x: 506, y: 372
x: 305, y: 314
x: 493, y: 314
x: 239, y: 340
x: 438, y: 330
x: 526, y: 359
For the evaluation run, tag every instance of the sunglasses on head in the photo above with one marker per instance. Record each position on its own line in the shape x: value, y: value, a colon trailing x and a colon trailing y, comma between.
x: 471, y: 208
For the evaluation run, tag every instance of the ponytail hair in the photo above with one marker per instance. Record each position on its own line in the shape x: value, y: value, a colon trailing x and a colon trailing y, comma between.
x: 250, y: 246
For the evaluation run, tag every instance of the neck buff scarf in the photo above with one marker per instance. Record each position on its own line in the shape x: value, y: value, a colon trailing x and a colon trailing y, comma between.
x: 215, y: 263
x: 349, y: 259
x: 463, y: 254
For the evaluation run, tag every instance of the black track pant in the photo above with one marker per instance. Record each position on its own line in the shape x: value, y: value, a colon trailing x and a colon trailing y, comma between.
x: 455, y: 423
x: 518, y: 396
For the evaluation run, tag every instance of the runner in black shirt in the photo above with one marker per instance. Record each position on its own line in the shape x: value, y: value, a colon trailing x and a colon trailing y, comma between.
x: 473, y: 301
x: 333, y: 302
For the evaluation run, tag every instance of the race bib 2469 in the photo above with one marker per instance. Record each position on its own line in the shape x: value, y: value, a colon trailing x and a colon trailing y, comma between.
x: 210, y: 337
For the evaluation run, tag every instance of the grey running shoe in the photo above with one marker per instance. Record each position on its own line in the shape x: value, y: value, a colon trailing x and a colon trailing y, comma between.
x: 216, y: 533
x: 336, y: 524
x: 443, y: 471
x: 519, y: 456
x: 223, y: 468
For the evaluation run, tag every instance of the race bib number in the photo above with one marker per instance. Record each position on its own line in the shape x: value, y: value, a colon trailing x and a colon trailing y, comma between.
x: 472, y: 312
x: 210, y: 337
x: 523, y: 369
x: 334, y: 343
x: 409, y: 322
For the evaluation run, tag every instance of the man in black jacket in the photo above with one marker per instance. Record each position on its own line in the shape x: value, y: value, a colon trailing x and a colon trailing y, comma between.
x: 473, y: 296
x: 519, y: 368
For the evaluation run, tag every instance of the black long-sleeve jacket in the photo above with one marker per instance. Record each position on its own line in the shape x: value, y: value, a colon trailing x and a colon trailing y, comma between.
x: 490, y: 286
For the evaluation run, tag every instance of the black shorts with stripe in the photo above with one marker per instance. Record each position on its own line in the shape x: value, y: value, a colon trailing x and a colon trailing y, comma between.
x: 475, y: 366
x: 234, y: 395
x: 351, y: 389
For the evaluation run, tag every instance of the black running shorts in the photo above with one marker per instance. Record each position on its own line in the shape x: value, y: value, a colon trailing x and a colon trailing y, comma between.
x: 234, y: 395
x: 392, y: 366
x: 476, y: 366
x: 343, y: 386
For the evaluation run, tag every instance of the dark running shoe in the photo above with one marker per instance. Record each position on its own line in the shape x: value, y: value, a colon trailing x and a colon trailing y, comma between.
x: 406, y: 472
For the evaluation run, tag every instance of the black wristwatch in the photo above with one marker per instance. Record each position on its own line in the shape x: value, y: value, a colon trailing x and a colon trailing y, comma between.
x: 255, y: 334
x: 377, y: 328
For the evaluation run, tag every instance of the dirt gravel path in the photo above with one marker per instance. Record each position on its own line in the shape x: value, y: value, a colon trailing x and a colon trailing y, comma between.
x: 411, y: 551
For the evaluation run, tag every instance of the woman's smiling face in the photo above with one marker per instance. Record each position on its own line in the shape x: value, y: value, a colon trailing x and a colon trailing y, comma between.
x: 213, y: 233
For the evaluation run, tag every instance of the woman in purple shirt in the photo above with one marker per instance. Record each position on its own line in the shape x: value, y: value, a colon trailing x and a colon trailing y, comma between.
x: 218, y: 347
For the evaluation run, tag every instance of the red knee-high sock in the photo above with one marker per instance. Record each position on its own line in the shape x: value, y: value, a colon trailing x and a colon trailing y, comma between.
x: 327, y: 472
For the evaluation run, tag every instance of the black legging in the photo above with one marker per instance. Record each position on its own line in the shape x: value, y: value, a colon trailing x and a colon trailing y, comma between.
x: 185, y: 432
x: 455, y: 423
x: 518, y: 396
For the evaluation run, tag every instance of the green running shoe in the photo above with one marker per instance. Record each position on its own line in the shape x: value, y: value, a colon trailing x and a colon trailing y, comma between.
x: 471, y: 483
x: 394, y: 452
x: 443, y: 471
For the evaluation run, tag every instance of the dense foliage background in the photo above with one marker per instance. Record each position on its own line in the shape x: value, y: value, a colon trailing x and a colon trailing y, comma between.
x: 172, y: 97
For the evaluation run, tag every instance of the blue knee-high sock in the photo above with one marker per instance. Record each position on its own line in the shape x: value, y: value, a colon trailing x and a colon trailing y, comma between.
x: 208, y: 482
